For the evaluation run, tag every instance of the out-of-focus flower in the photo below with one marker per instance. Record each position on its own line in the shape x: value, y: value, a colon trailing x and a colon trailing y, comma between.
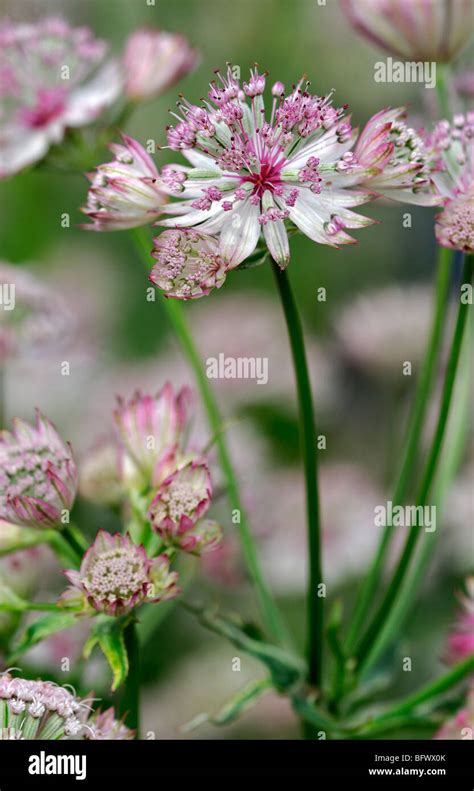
x: 117, y: 575
x: 464, y: 84
x: 461, y: 726
x: 372, y: 336
x: 397, y: 160
x: 151, y: 429
x: 38, y: 474
x: 176, y: 510
x: 50, y: 80
x: 252, y: 172
x: 461, y: 640
x: 188, y: 264
x: 33, y: 318
x: 44, y: 710
x: 419, y: 30
x: 154, y: 60
x: 99, y: 479
x: 126, y: 192
x: 454, y: 227
x: 19, y: 572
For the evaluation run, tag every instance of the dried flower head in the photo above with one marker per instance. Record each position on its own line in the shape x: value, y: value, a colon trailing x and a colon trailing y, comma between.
x: 50, y: 80
x: 38, y: 474
x: 116, y: 575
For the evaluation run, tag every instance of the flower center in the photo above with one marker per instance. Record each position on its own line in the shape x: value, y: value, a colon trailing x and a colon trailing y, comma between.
x: 117, y: 574
x: 49, y: 105
x: 267, y: 179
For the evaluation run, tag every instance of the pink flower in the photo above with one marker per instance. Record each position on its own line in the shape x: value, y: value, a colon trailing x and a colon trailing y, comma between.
x: 397, y: 159
x: 49, y: 81
x: 461, y: 640
x: 252, y: 172
x: 420, y: 30
x: 460, y: 726
x: 151, y: 431
x: 188, y: 264
x: 154, y: 60
x: 451, y: 148
x: 44, y: 710
x: 117, y: 575
x: 38, y: 477
x: 176, y: 510
x: 126, y: 192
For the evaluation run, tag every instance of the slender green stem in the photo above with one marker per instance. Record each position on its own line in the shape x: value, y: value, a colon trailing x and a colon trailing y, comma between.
x: 66, y: 553
x: 364, y: 653
x: 422, y: 397
x: 174, y: 310
x: 130, y: 702
x: 308, y: 440
x: 442, y: 90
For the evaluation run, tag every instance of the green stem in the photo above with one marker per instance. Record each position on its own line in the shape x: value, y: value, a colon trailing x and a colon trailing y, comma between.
x: 130, y: 702
x: 422, y: 397
x: 365, y: 655
x: 442, y: 90
x: 174, y: 309
x: 66, y: 553
x: 308, y: 440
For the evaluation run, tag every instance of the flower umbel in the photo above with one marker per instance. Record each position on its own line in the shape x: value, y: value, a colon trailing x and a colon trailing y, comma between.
x: 188, y: 264
x: 419, y: 30
x: 49, y: 82
x: 116, y: 575
x: 126, y: 192
x: 44, y: 710
x: 38, y: 477
x: 175, y: 513
x: 154, y: 60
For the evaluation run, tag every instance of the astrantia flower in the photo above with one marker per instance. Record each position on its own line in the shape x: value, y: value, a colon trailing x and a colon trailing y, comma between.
x: 126, y: 192
x: 461, y: 726
x: 117, y: 575
x: 176, y: 511
x: 461, y: 640
x: 154, y: 60
x: 33, y: 318
x: 188, y: 264
x: 151, y: 428
x: 254, y: 170
x: 451, y: 149
x: 44, y: 710
x: 49, y: 82
x: 38, y: 474
x: 419, y: 30
x: 397, y: 159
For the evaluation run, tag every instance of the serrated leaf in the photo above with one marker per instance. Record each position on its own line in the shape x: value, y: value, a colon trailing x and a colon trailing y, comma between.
x: 107, y: 633
x: 40, y: 629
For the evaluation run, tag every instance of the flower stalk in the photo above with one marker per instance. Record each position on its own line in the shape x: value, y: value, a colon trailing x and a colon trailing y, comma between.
x: 308, y: 439
x: 130, y: 703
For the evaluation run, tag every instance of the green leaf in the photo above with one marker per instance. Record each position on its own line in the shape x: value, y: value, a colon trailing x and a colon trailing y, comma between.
x: 286, y: 670
x: 9, y: 600
x: 107, y: 633
x: 40, y: 629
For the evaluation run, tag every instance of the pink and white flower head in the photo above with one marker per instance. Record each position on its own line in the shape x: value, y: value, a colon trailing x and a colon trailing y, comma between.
x: 253, y: 170
x: 461, y: 640
x: 116, y: 575
x: 44, y: 710
x: 52, y: 77
x: 188, y: 263
x: 33, y: 318
x: 420, y: 30
x: 451, y: 148
x: 176, y: 510
x: 151, y: 429
x: 154, y: 60
x: 397, y: 159
x: 38, y: 474
x: 126, y: 192
x: 461, y: 726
